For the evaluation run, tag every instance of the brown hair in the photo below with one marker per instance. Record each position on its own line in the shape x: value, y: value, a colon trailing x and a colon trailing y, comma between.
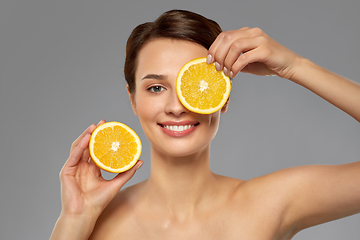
x: 174, y: 24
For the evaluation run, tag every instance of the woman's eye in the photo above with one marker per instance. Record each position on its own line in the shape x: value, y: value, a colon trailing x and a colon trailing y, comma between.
x: 156, y: 89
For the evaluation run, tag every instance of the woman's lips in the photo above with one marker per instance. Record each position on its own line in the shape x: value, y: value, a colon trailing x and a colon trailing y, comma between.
x: 178, y: 129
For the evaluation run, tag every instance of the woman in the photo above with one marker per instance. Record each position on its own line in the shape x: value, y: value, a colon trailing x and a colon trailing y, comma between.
x: 183, y: 198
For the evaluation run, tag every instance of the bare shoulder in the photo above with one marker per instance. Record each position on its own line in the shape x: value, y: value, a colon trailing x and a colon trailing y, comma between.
x: 276, y: 187
x: 118, y: 214
x: 291, y: 184
x: 300, y: 197
x: 280, y: 181
x: 259, y: 203
x: 316, y: 194
x: 266, y: 200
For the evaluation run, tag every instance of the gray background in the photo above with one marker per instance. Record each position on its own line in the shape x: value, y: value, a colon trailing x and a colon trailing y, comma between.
x: 61, y: 70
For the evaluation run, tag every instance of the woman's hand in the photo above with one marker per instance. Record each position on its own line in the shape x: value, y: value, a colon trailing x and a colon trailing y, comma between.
x: 250, y: 50
x: 84, y: 192
x: 83, y: 189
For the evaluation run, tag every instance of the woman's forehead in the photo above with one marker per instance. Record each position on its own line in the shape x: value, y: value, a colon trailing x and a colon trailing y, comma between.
x: 167, y: 56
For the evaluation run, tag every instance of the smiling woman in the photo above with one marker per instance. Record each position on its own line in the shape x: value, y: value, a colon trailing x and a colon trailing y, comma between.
x: 164, y: 57
x: 183, y: 198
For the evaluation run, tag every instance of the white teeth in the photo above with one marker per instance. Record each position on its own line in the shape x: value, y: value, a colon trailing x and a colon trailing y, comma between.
x: 178, y: 128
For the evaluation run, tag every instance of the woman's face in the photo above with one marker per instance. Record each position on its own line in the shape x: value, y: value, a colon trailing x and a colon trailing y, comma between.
x: 172, y: 129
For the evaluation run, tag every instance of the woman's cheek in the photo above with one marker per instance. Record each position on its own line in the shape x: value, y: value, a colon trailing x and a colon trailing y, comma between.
x: 149, y: 106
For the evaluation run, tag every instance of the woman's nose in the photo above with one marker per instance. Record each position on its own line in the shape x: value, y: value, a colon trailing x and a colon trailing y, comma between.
x: 174, y: 105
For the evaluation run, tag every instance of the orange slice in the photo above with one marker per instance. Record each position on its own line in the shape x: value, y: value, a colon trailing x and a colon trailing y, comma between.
x: 201, y: 88
x: 114, y: 147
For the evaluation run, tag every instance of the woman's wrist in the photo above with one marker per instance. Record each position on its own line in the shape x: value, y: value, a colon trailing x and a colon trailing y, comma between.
x: 70, y: 226
x: 301, y: 69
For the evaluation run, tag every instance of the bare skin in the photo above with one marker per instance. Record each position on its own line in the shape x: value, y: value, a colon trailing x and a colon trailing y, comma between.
x: 183, y: 198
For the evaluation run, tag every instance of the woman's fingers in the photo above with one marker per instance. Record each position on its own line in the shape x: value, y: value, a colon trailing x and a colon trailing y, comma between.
x: 238, y: 55
x: 233, y: 50
x: 124, y: 177
x: 86, y: 155
x: 94, y: 168
x: 258, y: 55
x: 89, y: 130
x: 101, y: 122
x: 217, y: 50
x: 78, y: 152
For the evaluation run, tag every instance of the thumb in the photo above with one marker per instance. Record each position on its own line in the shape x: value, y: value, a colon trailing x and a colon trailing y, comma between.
x: 119, y: 181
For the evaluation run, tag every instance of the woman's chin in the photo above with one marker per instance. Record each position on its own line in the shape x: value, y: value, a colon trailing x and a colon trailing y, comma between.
x: 180, y: 151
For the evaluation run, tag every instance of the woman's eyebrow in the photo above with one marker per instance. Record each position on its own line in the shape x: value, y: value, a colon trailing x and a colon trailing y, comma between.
x: 154, y: 76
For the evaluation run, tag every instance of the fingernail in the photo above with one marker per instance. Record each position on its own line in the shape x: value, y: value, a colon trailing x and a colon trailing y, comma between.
x: 139, y: 166
x: 226, y: 71
x: 231, y: 74
x: 217, y: 66
x: 209, y: 59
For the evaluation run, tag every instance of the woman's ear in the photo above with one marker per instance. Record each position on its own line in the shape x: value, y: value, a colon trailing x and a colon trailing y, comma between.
x: 132, y: 99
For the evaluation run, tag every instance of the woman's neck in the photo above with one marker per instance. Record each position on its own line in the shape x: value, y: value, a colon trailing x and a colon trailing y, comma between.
x: 181, y: 184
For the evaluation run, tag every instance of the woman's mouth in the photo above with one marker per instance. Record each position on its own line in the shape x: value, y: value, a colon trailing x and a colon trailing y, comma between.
x: 178, y: 129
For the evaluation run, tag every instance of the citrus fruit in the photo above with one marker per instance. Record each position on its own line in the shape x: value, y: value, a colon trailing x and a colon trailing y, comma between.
x: 201, y: 88
x: 114, y: 147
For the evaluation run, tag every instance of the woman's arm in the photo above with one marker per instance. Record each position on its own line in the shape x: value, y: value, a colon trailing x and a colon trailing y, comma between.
x: 250, y: 50
x: 73, y: 227
x: 314, y: 194
x: 325, y: 193
x: 339, y: 91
